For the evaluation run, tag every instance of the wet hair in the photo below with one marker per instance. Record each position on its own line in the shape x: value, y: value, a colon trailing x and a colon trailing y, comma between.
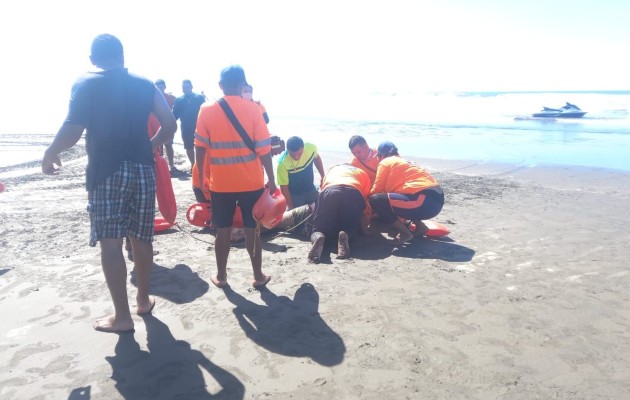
x: 355, y: 140
x: 160, y: 82
x: 106, y: 47
x: 294, y: 143
x: 233, y: 78
x: 187, y: 81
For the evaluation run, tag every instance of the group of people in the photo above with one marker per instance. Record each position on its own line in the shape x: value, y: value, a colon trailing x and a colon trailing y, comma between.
x: 230, y: 148
x: 378, y: 190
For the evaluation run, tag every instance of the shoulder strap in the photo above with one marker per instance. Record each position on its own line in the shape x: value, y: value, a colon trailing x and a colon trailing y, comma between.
x: 237, y: 125
x: 366, y: 166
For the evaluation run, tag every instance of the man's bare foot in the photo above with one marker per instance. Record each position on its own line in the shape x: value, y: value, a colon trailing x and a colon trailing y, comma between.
x: 146, y: 308
x: 220, y: 283
x: 343, y: 248
x: 261, y: 282
x: 111, y: 325
x: 315, y: 252
x: 402, y: 238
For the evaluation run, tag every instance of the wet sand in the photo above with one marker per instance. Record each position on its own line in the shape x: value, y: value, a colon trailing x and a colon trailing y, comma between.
x: 527, y: 298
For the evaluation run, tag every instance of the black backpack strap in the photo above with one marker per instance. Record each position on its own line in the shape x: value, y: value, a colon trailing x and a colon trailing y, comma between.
x: 239, y: 128
x: 366, y: 166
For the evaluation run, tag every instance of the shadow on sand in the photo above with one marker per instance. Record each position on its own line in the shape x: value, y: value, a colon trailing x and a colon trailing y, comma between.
x: 179, y: 285
x: 289, y: 327
x: 435, y: 249
x: 170, y: 369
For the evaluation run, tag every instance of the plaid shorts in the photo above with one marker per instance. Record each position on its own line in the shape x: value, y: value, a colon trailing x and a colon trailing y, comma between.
x: 123, y: 204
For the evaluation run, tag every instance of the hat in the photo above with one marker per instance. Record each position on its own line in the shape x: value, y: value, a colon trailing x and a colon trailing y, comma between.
x: 386, y: 149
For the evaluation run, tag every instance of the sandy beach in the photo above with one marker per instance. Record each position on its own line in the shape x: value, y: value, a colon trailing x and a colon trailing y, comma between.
x: 527, y: 298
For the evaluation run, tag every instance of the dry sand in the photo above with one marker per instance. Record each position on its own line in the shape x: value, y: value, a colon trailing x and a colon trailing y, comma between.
x: 526, y: 299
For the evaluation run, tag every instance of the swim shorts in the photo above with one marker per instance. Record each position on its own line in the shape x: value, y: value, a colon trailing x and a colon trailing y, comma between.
x: 224, y: 206
x: 123, y: 204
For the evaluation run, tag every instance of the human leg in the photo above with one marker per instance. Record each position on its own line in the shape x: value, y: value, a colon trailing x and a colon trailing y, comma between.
x: 115, y: 271
x: 254, y: 248
x: 349, y: 214
x: 223, y: 207
x: 246, y: 201
x: 191, y: 156
x: 189, y: 145
x: 170, y: 155
x: 221, y: 252
x: 143, y: 264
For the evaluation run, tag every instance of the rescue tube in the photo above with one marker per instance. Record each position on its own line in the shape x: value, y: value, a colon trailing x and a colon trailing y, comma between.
x: 160, y: 224
x: 199, y: 214
x: 164, y: 189
x: 435, y: 229
x: 269, y: 208
x: 1, y: 187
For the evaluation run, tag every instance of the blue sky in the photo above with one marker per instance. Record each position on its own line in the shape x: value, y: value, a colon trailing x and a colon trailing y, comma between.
x: 294, y: 51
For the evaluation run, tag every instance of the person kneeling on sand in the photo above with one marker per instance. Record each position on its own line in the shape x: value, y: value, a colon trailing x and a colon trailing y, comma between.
x: 341, y: 209
x: 403, y: 191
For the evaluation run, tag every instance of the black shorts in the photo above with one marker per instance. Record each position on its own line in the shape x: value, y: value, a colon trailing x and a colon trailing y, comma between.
x: 425, y: 204
x: 224, y: 206
x: 200, y: 196
x: 338, y: 208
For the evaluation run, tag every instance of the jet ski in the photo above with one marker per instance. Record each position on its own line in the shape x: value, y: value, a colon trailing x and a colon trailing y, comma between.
x: 567, y: 111
x: 571, y: 111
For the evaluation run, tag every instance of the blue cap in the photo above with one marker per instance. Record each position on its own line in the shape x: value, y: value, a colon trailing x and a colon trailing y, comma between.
x: 386, y: 149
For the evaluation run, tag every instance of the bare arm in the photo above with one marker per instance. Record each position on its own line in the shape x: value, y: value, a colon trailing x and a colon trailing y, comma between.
x: 268, y: 165
x: 287, y: 195
x: 168, y: 125
x: 67, y: 136
x: 200, y: 160
x: 320, y: 167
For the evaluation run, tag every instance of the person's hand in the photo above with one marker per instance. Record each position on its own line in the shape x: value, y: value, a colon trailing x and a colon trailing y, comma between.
x: 271, y: 185
x: 51, y: 164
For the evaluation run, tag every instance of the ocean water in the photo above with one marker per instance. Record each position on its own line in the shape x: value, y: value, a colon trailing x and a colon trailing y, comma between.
x: 481, y: 126
x: 477, y: 126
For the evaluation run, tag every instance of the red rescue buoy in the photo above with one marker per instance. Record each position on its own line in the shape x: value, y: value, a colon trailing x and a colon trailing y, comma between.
x: 269, y: 208
x: 199, y: 214
x: 164, y: 189
x: 160, y: 224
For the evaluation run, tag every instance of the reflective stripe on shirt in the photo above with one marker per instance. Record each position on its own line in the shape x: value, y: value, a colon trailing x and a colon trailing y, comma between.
x: 232, y: 160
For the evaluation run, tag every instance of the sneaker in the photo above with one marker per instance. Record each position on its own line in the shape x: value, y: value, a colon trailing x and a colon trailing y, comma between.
x: 343, y: 248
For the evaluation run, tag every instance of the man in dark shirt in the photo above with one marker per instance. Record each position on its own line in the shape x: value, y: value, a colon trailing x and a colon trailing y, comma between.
x: 186, y: 109
x: 113, y: 107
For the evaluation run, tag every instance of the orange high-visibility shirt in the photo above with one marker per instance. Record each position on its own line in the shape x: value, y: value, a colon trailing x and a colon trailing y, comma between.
x: 397, y: 175
x: 347, y: 175
x: 233, y: 166
x: 369, y: 166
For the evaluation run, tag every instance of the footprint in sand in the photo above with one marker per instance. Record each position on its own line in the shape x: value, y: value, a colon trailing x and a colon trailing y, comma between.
x: 29, y: 351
